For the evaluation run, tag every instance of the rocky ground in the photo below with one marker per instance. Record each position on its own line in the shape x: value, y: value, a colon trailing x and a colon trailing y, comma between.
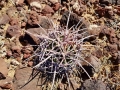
x: 24, y: 24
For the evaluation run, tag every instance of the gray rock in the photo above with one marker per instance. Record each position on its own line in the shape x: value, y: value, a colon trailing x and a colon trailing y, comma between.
x: 94, y: 85
x: 4, y: 19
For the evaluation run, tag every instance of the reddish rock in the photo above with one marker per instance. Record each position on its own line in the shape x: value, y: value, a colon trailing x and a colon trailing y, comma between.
x: 100, y: 11
x: 30, y: 63
x: 33, y: 32
x: 14, y: 21
x: 47, y: 10
x: 108, y: 32
x: 113, y: 49
x: 23, y: 24
x: 56, y: 6
x: 3, y: 69
x: 14, y: 30
x: 9, y: 53
x: 113, y: 38
x: 16, y: 51
x: 12, y: 12
x: 33, y: 19
x: 4, y: 19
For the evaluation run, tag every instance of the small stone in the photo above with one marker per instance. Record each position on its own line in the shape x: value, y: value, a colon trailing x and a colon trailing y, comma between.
x: 14, y: 30
x: 56, y: 6
x: 3, y: 69
x: 33, y: 32
x: 14, y: 21
x: 16, y: 51
x: 23, y: 24
x: 47, y: 10
x: 33, y: 19
x: 30, y: 63
x: 4, y: 19
x: 9, y: 53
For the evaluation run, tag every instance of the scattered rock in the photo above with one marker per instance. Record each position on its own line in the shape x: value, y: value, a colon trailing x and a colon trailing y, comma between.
x: 3, y: 69
x: 14, y: 21
x: 14, y: 31
x: 113, y: 49
x: 47, y: 11
x: 12, y: 12
x: 33, y: 32
x: 56, y: 6
x: 94, y: 85
x: 16, y: 51
x: 22, y: 77
x: 33, y: 19
x: 4, y: 19
x: 30, y: 63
